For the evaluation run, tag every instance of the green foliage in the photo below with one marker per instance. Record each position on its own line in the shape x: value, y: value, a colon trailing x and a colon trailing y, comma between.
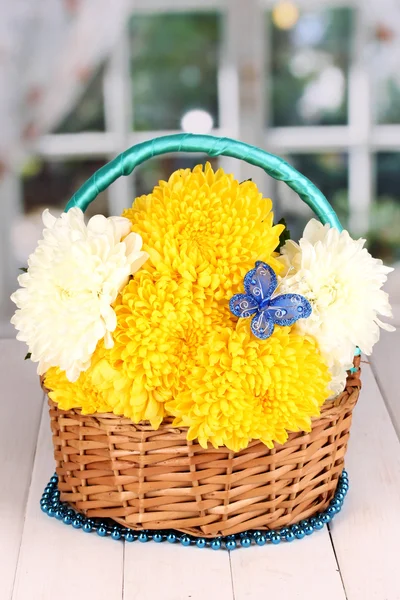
x: 285, y: 235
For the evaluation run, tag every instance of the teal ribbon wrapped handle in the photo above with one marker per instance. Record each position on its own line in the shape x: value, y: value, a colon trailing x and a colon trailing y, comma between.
x: 213, y: 146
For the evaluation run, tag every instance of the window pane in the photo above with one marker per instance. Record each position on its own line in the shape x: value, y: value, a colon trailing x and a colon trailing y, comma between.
x: 386, y: 84
x: 50, y: 184
x: 329, y: 172
x: 152, y: 171
x: 174, y: 62
x: 310, y: 65
x: 384, y: 234
x: 88, y: 114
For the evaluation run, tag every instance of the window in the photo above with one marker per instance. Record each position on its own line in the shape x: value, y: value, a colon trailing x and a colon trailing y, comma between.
x: 88, y: 114
x: 329, y: 172
x: 384, y: 229
x: 170, y: 78
x: 310, y: 68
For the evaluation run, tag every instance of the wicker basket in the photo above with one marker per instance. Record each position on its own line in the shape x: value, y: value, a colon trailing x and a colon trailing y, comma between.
x: 146, y: 479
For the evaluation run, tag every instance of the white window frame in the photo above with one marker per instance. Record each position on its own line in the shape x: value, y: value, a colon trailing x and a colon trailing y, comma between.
x: 243, y: 107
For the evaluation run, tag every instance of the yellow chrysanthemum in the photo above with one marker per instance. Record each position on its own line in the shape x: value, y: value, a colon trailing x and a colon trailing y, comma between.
x: 207, y: 228
x: 160, y: 326
x: 243, y: 388
x: 104, y: 388
x: 203, y: 231
x: 81, y: 393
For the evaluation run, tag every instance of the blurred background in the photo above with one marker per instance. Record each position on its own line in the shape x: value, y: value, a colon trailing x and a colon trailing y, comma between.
x: 315, y: 81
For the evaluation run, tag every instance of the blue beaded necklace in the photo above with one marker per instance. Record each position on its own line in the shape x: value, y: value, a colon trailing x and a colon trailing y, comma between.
x: 50, y: 504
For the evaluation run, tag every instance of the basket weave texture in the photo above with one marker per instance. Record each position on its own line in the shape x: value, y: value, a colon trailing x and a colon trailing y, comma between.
x: 146, y: 479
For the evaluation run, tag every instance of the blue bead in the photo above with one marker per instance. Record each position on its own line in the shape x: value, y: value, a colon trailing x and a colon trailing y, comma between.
x: 216, y: 544
x: 304, y: 523
x: 326, y: 518
x: 101, y: 531
x: 67, y: 520
x: 309, y: 529
x: 268, y: 535
x: 331, y: 510
x: 45, y: 496
x: 231, y: 544
x: 129, y: 536
x: 59, y: 514
x: 245, y: 542
x: 357, y: 351
x: 44, y: 507
x: 289, y: 537
x: 339, y: 496
x: 157, y: 537
x: 77, y: 523
x: 143, y: 537
x: 275, y: 538
x: 294, y: 527
x: 283, y: 531
x: 171, y: 538
x: 312, y: 520
x: 256, y: 533
x: 185, y: 540
x: 54, y: 479
x: 336, y: 502
x: 87, y: 528
x: 201, y: 543
x: 51, y: 512
x: 300, y: 533
x: 116, y: 534
x: 261, y: 540
x: 319, y: 524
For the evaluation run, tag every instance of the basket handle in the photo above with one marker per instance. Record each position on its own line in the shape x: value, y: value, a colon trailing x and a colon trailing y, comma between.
x: 213, y: 146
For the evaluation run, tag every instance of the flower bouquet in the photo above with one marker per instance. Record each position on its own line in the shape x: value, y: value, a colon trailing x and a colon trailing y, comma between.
x: 201, y: 367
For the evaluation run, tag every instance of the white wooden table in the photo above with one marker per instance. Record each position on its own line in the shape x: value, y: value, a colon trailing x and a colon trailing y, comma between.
x: 357, y: 559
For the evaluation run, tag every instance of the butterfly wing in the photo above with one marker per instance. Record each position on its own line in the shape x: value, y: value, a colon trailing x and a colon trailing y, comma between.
x: 260, y: 282
x: 243, y: 305
x: 286, y: 309
x: 262, y: 325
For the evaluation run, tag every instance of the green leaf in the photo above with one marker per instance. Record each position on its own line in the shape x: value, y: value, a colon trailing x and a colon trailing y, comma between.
x: 285, y: 235
x: 23, y: 269
x: 27, y: 357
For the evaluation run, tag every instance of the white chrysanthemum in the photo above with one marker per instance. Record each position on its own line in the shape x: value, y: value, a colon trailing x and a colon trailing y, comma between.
x: 343, y: 283
x: 74, y: 276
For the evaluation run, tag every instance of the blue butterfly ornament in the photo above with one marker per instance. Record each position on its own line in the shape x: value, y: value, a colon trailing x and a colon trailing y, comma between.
x: 266, y: 308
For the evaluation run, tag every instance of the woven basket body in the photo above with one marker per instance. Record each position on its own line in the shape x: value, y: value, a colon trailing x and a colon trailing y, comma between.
x: 146, y: 479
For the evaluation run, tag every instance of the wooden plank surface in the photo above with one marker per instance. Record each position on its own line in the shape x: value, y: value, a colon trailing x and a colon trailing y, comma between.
x: 367, y: 535
x: 305, y: 569
x: 57, y: 561
x: 172, y: 572
x: 21, y: 402
x: 385, y: 363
